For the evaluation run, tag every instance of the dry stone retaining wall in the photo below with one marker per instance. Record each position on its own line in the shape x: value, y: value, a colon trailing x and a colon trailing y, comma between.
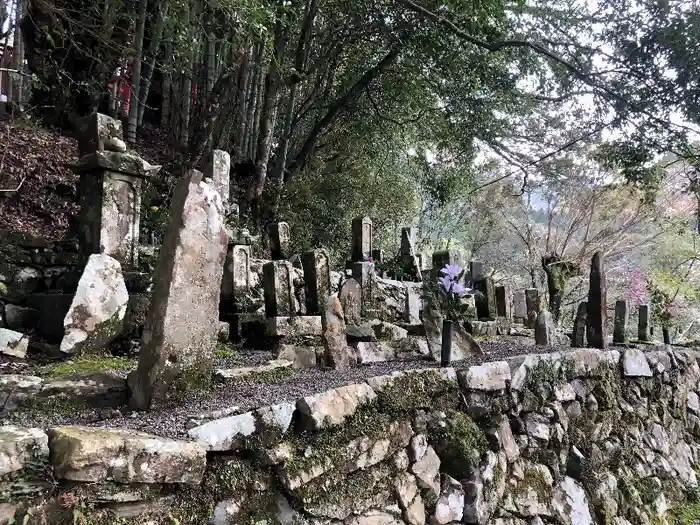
x: 578, y: 437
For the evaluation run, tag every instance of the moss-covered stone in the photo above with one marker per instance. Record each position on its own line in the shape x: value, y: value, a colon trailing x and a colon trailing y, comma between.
x: 459, y: 442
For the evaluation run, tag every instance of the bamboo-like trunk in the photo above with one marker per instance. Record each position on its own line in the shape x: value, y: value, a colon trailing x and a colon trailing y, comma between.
x: 186, y: 95
x: 300, y: 59
x: 251, y: 99
x: 241, y: 107
x: 268, y: 117
x: 18, y: 55
x: 152, y: 54
x: 136, y: 74
x: 167, y: 86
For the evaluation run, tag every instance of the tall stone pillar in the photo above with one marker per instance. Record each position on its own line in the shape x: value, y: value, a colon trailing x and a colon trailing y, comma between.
x: 111, y: 183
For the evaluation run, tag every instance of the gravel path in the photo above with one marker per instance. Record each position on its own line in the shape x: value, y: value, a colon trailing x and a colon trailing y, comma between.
x: 170, y: 421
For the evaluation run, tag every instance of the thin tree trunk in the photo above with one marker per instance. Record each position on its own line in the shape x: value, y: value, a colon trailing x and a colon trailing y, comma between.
x: 242, y: 104
x: 18, y: 55
x: 152, y: 54
x: 268, y: 116
x: 300, y: 58
x: 251, y: 102
x: 167, y: 86
x: 259, y: 93
x: 338, y: 107
x: 136, y: 74
x: 186, y: 95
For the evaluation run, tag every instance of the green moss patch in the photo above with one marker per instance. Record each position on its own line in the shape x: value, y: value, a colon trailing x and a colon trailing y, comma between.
x: 86, y: 364
x: 460, y: 444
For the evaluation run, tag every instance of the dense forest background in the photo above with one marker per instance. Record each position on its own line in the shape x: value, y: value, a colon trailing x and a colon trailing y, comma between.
x: 527, y: 134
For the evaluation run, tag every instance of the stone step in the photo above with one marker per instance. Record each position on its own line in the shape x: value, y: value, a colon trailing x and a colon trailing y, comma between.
x: 226, y: 374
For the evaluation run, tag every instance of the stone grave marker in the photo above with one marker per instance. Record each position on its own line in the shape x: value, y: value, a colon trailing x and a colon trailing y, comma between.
x: 579, y: 338
x: 544, y: 329
x: 237, y: 276
x: 413, y: 306
x: 362, y: 273
x: 218, y: 174
x: 444, y: 257
x: 596, y: 320
x: 621, y: 320
x: 336, y: 352
x: 362, y: 231
x: 279, y: 241
x: 503, y: 305
x: 477, y: 271
x: 643, y: 324
x: 519, y: 305
x: 181, y: 325
x: 109, y: 192
x: 533, y: 305
x: 485, y: 299
x: 350, y: 296
x: 317, y: 279
x: 407, y: 239
x: 278, y: 288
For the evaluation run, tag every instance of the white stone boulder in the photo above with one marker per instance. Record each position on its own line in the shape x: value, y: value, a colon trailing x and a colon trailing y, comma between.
x: 96, y: 315
x: 13, y: 344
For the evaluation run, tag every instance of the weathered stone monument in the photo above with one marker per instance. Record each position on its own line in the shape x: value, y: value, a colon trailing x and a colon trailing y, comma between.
x: 362, y: 272
x: 579, y: 332
x: 519, y: 306
x: 621, y: 320
x: 597, y: 317
x: 444, y: 257
x: 336, y: 353
x: 545, y: 329
x: 485, y: 298
x: 477, y: 271
x: 643, y: 324
x: 503, y: 304
x: 409, y: 261
x: 533, y: 305
x: 182, y: 322
x: 362, y: 231
x: 412, y: 307
x: 218, y: 173
x: 317, y: 279
x: 350, y: 296
x: 278, y: 289
x: 279, y: 241
x: 110, y: 188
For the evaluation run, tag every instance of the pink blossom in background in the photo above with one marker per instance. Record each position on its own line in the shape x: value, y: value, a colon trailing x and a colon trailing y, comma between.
x: 636, y: 285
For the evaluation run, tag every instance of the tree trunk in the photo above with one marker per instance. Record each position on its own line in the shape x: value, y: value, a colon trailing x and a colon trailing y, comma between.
x: 338, y: 107
x: 136, y: 74
x: 186, y: 95
x: 18, y: 56
x: 241, y: 109
x: 252, y: 100
x: 268, y: 117
x: 300, y: 59
x: 152, y: 54
x: 259, y: 92
x: 167, y: 86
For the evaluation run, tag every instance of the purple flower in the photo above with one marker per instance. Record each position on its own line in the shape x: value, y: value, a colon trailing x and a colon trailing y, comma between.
x: 451, y: 270
x: 459, y: 289
x: 370, y: 260
x: 446, y: 283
